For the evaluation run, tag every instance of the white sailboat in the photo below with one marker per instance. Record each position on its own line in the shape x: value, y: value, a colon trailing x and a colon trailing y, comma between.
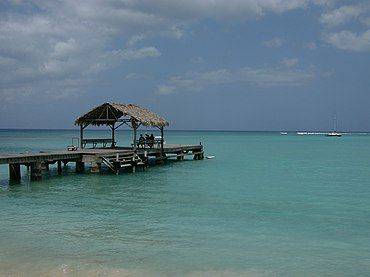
x: 334, y: 133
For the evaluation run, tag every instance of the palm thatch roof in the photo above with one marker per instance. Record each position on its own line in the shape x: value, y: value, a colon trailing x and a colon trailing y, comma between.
x: 109, y: 113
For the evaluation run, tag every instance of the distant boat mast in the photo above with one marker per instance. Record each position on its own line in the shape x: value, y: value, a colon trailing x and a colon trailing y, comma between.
x: 334, y: 133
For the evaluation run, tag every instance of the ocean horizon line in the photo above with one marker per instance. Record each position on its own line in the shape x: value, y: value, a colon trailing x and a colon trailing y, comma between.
x: 193, y: 130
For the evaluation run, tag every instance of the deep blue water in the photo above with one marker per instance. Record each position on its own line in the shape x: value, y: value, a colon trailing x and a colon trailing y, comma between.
x: 267, y: 205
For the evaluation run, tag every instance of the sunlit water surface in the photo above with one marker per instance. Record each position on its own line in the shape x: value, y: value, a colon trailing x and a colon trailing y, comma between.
x: 267, y: 205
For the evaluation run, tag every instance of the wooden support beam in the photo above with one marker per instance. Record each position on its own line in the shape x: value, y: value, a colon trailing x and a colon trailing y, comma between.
x: 113, y: 138
x: 162, y: 141
x: 36, y: 173
x: 160, y: 158
x: 198, y: 155
x: 59, y: 166
x: 95, y: 167
x: 134, y: 127
x: 15, y: 172
x: 119, y: 125
x: 45, y: 166
x: 81, y: 136
x: 80, y: 167
x: 180, y: 156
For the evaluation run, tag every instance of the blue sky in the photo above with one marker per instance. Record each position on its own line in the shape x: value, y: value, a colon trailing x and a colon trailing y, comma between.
x: 210, y: 64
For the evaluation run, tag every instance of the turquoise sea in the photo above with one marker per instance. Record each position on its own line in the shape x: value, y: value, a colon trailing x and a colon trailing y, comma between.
x: 267, y: 205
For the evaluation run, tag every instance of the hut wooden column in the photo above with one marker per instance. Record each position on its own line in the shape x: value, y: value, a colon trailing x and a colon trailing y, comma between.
x: 113, y: 135
x: 134, y: 128
x: 81, y: 136
x: 162, y: 141
x: 82, y: 128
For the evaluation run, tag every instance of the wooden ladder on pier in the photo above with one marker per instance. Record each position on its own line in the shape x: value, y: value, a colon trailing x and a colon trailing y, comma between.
x: 122, y: 160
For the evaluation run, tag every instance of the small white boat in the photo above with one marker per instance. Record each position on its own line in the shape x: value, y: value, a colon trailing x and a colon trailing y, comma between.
x: 210, y: 157
x: 334, y: 133
x: 283, y: 133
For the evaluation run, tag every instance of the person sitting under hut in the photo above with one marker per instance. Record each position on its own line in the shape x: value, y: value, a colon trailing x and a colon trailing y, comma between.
x: 141, y: 141
x: 151, y: 141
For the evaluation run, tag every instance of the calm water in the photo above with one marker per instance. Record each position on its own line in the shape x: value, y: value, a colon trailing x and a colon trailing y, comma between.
x: 267, y: 205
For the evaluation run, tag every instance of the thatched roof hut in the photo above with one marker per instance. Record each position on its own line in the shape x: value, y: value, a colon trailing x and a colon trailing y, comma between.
x: 109, y: 113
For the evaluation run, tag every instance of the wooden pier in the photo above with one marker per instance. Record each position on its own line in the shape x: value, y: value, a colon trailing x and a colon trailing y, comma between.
x: 116, y: 159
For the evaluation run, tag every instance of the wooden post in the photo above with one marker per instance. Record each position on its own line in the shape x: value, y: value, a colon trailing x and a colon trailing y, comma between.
x: 134, y: 126
x: 15, y: 172
x: 80, y: 167
x: 59, y: 166
x: 180, y: 156
x: 36, y: 173
x: 81, y: 135
x: 113, y: 130
x: 95, y: 167
x: 162, y: 140
x: 117, y: 164
x: 45, y: 166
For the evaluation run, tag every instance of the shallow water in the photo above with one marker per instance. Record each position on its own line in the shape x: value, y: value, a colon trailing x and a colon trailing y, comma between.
x: 267, y: 205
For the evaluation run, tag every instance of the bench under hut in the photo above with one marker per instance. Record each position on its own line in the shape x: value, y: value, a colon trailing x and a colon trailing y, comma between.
x: 114, y: 115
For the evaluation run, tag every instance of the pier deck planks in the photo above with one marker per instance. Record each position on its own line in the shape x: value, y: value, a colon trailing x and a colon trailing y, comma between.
x: 62, y: 155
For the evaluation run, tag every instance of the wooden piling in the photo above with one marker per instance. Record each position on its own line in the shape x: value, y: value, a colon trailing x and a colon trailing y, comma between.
x: 95, y: 167
x: 198, y: 155
x: 36, y: 172
x: 180, y: 156
x: 45, y: 166
x: 59, y: 166
x: 15, y: 172
x: 80, y: 167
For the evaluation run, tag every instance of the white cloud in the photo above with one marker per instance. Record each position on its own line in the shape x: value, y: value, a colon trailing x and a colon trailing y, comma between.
x: 197, y: 60
x: 290, y: 62
x: 347, y: 40
x: 133, y: 54
x: 365, y: 21
x: 137, y: 76
x: 134, y: 40
x: 275, y: 42
x: 175, y: 32
x: 65, y: 43
x: 165, y: 90
x: 262, y: 77
x: 341, y: 15
x: 218, y: 9
x: 311, y: 45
